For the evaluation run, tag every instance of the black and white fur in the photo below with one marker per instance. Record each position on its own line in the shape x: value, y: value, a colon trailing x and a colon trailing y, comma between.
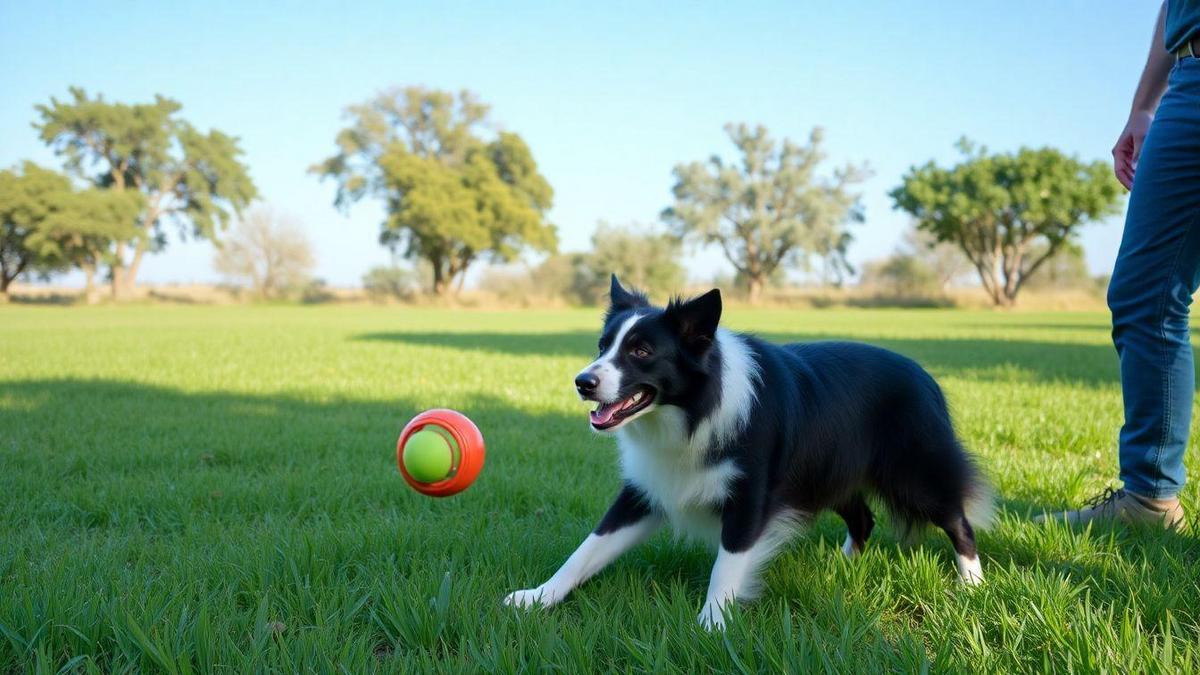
x: 737, y: 441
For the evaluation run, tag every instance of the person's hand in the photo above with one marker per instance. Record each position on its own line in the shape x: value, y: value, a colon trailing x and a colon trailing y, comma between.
x: 1129, y: 146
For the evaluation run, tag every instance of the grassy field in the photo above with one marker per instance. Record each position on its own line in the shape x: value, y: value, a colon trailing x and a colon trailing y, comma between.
x: 214, y: 489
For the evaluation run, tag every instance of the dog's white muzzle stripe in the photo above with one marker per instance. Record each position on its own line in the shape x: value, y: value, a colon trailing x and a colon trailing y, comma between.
x: 605, y: 368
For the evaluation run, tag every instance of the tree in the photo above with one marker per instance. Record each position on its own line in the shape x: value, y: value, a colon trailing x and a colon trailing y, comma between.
x: 81, y: 233
x: 192, y: 179
x: 451, y: 196
x: 27, y: 198
x: 268, y: 252
x: 770, y: 209
x: 48, y: 225
x: 568, y: 276
x: 902, y: 274
x: 646, y: 260
x: 1009, y: 212
x: 1066, y: 269
x: 835, y: 267
x: 391, y: 282
x: 943, y: 259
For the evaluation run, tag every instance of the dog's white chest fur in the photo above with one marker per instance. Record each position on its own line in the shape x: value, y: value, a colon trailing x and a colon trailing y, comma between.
x: 668, y: 465
x: 657, y: 458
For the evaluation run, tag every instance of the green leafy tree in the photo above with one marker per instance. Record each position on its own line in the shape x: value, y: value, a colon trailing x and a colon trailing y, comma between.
x: 646, y: 260
x: 568, y: 276
x: 48, y: 225
x: 771, y: 208
x: 81, y: 233
x: 1009, y: 213
x: 452, y: 197
x: 391, y: 282
x: 27, y: 198
x: 188, y: 178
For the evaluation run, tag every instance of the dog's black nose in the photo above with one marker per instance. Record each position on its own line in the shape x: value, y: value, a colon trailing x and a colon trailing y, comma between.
x: 586, y: 383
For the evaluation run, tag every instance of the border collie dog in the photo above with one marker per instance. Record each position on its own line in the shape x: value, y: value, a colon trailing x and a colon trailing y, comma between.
x: 737, y: 441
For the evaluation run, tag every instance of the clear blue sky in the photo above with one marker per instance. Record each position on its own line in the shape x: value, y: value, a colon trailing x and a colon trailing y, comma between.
x: 610, y: 96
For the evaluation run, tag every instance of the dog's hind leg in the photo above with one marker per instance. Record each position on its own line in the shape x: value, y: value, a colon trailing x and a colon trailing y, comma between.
x: 962, y: 536
x: 859, y: 523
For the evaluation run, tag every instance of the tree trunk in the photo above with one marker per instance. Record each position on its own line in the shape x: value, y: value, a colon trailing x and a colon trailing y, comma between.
x: 455, y: 275
x: 118, y: 272
x: 997, y: 290
x: 1010, y: 294
x: 439, y: 278
x: 6, y: 278
x: 755, y: 289
x: 130, y: 280
x: 442, y: 284
x: 91, y: 294
x: 990, y: 282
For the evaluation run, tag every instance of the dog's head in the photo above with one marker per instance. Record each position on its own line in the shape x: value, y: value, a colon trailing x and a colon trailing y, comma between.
x: 648, y: 356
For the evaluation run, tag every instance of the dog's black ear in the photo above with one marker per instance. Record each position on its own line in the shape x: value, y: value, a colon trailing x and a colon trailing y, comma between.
x: 621, y: 299
x: 696, y: 319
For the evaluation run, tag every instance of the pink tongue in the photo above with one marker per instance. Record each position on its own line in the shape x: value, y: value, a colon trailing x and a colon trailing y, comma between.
x: 604, y: 414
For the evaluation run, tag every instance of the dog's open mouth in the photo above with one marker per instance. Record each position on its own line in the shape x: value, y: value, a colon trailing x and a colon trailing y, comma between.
x: 611, y: 415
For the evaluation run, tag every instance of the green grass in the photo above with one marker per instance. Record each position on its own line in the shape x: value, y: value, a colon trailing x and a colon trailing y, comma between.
x: 214, y: 489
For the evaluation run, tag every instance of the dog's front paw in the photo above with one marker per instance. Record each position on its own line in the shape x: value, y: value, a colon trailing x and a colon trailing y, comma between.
x: 970, y: 571
x: 528, y: 598
x: 712, y: 617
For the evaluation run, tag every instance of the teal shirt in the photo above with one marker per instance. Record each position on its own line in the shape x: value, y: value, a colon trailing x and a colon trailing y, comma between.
x: 1183, y: 23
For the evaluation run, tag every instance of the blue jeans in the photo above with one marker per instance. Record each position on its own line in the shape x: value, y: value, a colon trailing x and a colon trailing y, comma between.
x: 1157, y: 271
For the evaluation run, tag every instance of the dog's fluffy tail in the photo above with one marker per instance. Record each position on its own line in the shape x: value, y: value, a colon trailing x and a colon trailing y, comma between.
x: 979, y: 504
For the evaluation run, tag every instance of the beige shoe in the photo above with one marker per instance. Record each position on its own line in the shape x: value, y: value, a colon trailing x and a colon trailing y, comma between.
x: 1125, y: 507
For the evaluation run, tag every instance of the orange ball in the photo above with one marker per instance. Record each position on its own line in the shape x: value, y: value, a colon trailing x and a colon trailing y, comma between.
x: 466, y: 463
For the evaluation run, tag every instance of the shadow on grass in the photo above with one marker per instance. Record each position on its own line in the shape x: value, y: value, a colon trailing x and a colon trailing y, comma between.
x: 978, y: 358
x: 61, y: 299
x: 1103, y: 326
x: 97, y: 453
x: 570, y: 343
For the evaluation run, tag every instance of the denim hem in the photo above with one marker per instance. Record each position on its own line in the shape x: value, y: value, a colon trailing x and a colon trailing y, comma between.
x: 1142, y: 489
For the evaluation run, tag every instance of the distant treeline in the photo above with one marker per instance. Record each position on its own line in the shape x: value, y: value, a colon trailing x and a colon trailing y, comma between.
x: 456, y: 195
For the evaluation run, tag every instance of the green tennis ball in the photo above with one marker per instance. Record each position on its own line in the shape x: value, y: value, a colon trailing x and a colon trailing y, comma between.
x: 429, y: 454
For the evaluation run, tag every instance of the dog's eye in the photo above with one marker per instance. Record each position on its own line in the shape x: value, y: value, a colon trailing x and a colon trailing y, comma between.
x: 640, y: 352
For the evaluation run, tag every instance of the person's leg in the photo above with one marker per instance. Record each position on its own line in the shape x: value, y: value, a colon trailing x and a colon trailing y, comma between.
x: 1156, y: 273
